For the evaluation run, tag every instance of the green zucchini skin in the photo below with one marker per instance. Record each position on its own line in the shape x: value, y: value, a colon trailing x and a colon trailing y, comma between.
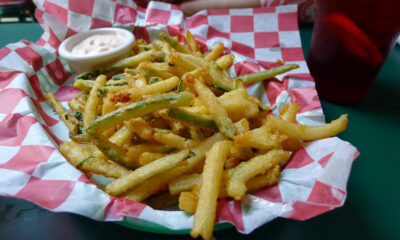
x: 192, y: 118
x: 112, y: 151
x: 118, y: 76
x: 83, y: 85
x: 173, y: 43
x: 83, y: 161
x: 220, y: 80
x: 131, y: 61
x: 180, y: 85
x: 86, y: 85
x: 131, y: 71
x: 89, y: 75
x: 138, y: 109
x: 266, y: 74
x: 154, y: 80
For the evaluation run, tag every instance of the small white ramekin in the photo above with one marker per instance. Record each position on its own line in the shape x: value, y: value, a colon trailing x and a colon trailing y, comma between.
x: 84, y: 63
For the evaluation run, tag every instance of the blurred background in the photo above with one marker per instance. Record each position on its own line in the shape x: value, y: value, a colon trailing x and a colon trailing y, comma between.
x: 17, y: 11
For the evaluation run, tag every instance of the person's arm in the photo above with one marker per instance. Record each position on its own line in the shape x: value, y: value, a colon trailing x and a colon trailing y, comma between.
x: 192, y: 6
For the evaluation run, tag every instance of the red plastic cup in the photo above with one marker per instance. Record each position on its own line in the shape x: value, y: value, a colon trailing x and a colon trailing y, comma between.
x: 350, y: 41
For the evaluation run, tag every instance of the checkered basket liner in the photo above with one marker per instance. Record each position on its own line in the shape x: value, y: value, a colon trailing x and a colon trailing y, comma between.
x: 32, y: 168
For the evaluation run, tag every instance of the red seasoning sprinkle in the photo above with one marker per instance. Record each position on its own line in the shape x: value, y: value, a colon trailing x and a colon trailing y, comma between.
x: 123, y: 97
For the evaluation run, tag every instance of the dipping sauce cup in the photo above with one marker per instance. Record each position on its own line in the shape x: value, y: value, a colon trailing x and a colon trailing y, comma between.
x: 351, y: 40
x: 105, y: 45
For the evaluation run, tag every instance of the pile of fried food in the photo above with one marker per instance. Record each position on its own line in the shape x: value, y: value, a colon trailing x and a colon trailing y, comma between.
x: 171, y: 126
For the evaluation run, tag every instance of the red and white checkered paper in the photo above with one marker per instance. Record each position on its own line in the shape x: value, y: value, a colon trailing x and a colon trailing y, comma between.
x: 32, y: 168
x: 306, y: 8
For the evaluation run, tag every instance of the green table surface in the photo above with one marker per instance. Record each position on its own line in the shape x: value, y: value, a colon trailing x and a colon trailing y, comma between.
x: 371, y: 211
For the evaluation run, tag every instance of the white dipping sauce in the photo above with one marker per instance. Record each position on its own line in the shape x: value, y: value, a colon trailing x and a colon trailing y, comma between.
x: 98, y: 43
